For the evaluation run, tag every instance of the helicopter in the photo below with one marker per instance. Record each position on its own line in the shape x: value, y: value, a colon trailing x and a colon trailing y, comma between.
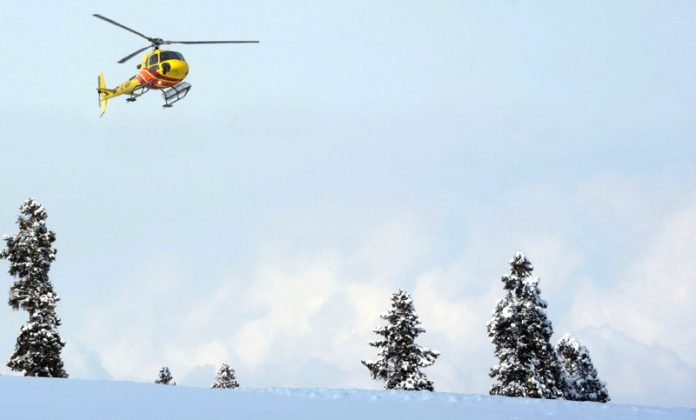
x: 159, y: 69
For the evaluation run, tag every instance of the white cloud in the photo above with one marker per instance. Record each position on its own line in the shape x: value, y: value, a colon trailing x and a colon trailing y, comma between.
x: 300, y: 319
x: 653, y: 301
x: 455, y: 325
x: 297, y: 311
x: 555, y: 262
x: 303, y: 317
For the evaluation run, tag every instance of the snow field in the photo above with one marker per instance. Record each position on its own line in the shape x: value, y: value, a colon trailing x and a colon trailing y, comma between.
x: 42, y: 398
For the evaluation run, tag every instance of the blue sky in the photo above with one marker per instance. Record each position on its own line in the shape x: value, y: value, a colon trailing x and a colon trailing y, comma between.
x: 359, y: 148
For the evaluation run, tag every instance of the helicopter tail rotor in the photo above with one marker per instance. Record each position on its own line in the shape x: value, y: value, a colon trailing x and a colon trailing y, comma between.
x: 102, y: 92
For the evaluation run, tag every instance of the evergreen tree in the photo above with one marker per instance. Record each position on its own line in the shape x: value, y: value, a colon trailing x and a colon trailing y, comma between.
x: 521, y: 333
x: 581, y: 375
x: 30, y: 254
x: 165, y: 377
x: 400, y: 357
x: 226, y: 378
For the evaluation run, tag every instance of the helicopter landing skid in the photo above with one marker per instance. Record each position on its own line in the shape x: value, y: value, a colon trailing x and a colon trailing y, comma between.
x: 174, y: 94
x: 139, y: 91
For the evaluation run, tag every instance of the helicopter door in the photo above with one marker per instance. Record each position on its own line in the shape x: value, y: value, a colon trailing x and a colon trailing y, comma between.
x: 154, y: 61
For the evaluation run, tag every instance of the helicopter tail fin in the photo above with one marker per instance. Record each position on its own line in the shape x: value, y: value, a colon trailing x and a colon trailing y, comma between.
x: 102, y: 92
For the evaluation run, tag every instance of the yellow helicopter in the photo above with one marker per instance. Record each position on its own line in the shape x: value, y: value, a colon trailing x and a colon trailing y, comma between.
x: 159, y: 69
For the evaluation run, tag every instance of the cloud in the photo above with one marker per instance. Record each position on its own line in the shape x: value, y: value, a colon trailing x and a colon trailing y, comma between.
x: 652, y: 302
x: 455, y: 325
x: 144, y: 325
x: 556, y: 263
x: 302, y: 316
x: 300, y: 319
x: 285, y: 324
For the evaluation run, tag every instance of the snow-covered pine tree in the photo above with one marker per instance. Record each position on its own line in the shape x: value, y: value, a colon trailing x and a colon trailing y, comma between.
x: 30, y: 254
x: 521, y: 333
x: 400, y: 357
x: 165, y: 377
x: 226, y: 378
x: 581, y: 375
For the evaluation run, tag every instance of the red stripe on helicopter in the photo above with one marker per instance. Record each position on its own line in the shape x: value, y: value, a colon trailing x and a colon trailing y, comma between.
x: 155, y: 80
x: 163, y: 77
x: 144, y: 76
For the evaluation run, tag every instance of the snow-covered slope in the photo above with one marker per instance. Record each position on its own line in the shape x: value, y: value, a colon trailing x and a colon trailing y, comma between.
x: 34, y: 398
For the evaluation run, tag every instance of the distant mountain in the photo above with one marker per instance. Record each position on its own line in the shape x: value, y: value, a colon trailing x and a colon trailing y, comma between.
x: 620, y: 359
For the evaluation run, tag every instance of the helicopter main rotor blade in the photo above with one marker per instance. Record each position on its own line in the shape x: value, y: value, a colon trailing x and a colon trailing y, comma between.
x: 133, y: 54
x: 121, y: 26
x: 211, y: 42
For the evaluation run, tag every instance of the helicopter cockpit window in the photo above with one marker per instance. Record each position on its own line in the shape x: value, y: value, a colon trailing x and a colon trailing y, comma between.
x: 171, y: 55
x: 153, y: 59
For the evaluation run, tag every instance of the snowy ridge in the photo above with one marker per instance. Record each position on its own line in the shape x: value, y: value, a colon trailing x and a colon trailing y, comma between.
x: 41, y: 398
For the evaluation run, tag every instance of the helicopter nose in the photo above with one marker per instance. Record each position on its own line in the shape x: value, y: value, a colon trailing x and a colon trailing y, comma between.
x: 179, y: 68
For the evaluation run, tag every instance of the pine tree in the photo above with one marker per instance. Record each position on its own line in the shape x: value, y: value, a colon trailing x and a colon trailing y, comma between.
x: 400, y: 357
x: 521, y: 333
x: 165, y: 377
x: 581, y: 375
x: 226, y: 378
x: 30, y: 254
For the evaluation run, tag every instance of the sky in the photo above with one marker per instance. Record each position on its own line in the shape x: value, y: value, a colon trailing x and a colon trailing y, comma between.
x: 361, y: 147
